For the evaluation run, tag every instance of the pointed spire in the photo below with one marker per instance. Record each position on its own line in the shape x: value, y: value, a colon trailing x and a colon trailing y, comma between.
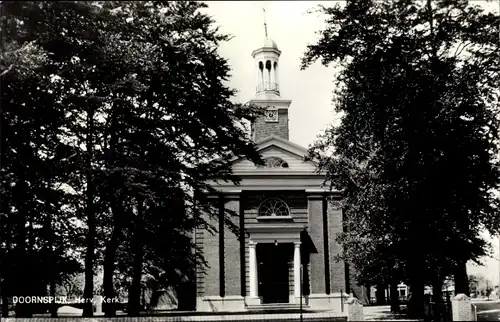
x: 265, y: 24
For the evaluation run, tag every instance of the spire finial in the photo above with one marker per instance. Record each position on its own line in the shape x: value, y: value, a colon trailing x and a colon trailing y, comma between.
x: 265, y: 24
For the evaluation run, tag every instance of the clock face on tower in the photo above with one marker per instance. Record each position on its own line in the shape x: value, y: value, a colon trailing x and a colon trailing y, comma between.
x: 271, y: 114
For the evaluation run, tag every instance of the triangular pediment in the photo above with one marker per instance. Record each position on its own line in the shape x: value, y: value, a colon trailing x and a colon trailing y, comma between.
x: 277, y: 147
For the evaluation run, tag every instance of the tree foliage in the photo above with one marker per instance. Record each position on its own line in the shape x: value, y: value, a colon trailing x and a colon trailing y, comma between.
x: 114, y: 117
x: 416, y: 150
x: 480, y: 286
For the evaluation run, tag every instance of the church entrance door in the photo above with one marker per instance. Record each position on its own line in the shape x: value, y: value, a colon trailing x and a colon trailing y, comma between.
x: 274, y: 272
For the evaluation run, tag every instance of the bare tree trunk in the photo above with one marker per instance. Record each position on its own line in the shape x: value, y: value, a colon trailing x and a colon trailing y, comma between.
x: 380, y: 294
x: 367, y: 293
x: 5, y: 298
x: 109, y: 265
x: 416, y: 303
x: 53, y: 305
x: 5, y: 284
x: 395, y: 296
x: 134, y: 298
x: 461, y: 279
x: 117, y: 214
x: 22, y: 263
x: 437, y: 298
x: 88, y: 292
x: 52, y: 268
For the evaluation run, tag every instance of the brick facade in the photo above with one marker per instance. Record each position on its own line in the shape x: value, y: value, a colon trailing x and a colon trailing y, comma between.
x: 232, y: 254
x: 317, y: 262
x: 262, y: 129
x: 323, y: 222
x: 337, y: 269
x: 207, y: 281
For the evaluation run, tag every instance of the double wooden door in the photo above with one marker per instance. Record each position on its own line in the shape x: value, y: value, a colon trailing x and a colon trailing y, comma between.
x: 274, y: 263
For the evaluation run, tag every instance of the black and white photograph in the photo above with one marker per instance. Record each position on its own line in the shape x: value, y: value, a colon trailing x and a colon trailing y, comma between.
x: 250, y: 160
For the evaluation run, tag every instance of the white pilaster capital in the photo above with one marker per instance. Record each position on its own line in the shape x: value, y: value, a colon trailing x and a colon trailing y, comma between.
x: 232, y: 195
x: 297, y: 244
x: 252, y: 244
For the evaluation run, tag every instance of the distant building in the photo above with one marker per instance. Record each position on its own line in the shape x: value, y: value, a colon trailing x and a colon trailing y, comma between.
x: 403, y: 290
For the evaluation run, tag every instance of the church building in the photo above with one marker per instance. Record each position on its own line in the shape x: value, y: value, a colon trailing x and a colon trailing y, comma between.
x: 288, y: 220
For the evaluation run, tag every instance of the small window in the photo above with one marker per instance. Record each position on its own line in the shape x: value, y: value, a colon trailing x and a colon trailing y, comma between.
x: 275, y: 162
x: 261, y: 66
x: 274, y: 207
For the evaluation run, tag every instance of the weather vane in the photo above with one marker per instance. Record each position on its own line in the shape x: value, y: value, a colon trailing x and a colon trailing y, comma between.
x: 265, y: 24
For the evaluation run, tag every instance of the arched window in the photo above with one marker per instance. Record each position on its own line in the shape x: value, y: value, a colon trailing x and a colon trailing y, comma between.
x: 261, y: 66
x: 273, y: 207
x: 275, y: 162
x: 275, y: 65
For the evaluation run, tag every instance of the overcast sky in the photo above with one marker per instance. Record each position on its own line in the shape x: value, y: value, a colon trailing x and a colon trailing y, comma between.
x: 310, y: 90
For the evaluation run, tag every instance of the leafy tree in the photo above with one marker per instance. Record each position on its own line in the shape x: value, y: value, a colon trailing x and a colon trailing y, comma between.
x: 71, y: 286
x: 473, y: 284
x: 415, y: 151
x: 140, y: 119
x: 35, y: 222
x: 480, y: 285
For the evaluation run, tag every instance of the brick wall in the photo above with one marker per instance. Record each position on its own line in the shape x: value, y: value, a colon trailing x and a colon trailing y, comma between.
x: 317, y: 261
x: 232, y: 254
x: 337, y: 269
x: 210, y: 280
x: 303, y: 210
x: 297, y: 202
x: 264, y: 129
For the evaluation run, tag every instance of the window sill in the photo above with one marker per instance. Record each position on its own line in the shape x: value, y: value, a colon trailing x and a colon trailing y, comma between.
x: 274, y: 217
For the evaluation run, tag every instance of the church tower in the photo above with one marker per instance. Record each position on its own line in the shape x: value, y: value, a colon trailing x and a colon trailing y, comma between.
x: 267, y: 94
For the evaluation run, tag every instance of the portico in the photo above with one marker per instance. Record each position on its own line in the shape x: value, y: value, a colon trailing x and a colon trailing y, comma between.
x: 273, y: 237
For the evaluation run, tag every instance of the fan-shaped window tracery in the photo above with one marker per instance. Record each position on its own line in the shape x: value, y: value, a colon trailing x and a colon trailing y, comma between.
x: 274, y: 207
x: 275, y: 162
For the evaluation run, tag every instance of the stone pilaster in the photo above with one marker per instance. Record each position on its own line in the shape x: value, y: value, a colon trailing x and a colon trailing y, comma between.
x: 296, y: 270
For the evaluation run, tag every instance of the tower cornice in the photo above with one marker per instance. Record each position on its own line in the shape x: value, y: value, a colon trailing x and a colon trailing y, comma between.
x: 279, y: 103
x: 267, y: 50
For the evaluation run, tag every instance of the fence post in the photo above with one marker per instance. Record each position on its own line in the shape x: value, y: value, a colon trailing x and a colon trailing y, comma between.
x: 448, y: 316
x: 461, y: 308
x: 341, y: 301
x: 474, y: 312
x: 354, y: 309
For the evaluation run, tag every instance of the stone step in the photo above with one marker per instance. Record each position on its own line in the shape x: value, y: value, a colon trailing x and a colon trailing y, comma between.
x: 277, y: 307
